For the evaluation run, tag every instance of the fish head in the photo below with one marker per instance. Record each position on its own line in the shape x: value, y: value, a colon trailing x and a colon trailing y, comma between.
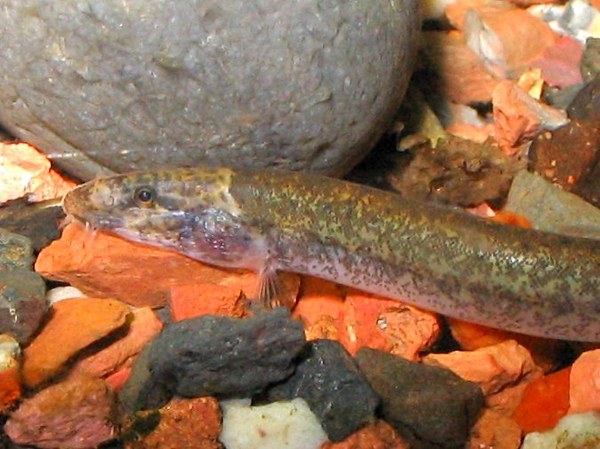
x: 189, y: 210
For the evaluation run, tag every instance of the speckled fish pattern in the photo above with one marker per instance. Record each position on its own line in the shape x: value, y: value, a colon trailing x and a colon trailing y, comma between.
x: 438, y: 258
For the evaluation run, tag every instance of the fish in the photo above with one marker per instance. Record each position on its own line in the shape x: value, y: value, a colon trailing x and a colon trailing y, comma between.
x: 436, y: 257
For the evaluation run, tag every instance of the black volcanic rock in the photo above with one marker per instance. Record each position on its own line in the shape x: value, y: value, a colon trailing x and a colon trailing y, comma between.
x: 328, y: 379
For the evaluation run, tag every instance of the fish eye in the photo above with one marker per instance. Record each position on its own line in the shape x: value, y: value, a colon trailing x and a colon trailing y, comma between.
x: 144, y: 196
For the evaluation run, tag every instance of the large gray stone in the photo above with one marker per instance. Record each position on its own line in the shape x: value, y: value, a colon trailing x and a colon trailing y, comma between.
x: 134, y: 84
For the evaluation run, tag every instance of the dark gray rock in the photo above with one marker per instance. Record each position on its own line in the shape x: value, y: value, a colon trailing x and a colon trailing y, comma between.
x: 328, y: 379
x: 22, y: 303
x: 430, y: 407
x: 590, y: 62
x: 16, y: 251
x: 40, y: 221
x: 141, y: 392
x: 147, y: 83
x: 213, y: 355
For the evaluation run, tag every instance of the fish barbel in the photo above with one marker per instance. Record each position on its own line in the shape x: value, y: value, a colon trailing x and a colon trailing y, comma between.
x: 437, y: 258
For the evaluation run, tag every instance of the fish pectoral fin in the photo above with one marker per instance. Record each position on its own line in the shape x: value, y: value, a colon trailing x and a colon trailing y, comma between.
x: 270, y: 290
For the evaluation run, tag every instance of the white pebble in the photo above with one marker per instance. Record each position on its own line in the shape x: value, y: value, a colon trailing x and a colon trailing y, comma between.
x: 573, y: 431
x: 280, y: 425
x: 60, y: 293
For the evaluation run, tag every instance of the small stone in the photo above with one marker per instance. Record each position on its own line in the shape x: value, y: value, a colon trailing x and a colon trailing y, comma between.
x: 580, y: 431
x: 546, y: 353
x: 60, y: 293
x: 570, y: 157
x: 518, y: 117
x: 544, y: 402
x: 217, y: 355
x: 379, y: 435
x: 73, y: 325
x: 560, y: 62
x: 183, y: 423
x: 40, y: 222
x: 499, y: 370
x: 590, y: 62
x: 289, y: 425
x: 22, y: 303
x: 78, y: 413
x: 140, y: 391
x: 328, y: 379
x: 464, y: 78
x: 586, y: 105
x: 189, y: 301
x: 584, y: 390
x: 10, y: 372
x: 143, y: 326
x: 550, y: 208
x: 495, y: 430
x: 456, y: 171
x: 27, y: 172
x: 319, y: 308
x: 16, y: 251
x: 427, y: 405
x: 389, y: 325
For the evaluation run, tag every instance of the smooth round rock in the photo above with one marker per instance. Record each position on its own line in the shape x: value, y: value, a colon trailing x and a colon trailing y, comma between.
x: 135, y: 84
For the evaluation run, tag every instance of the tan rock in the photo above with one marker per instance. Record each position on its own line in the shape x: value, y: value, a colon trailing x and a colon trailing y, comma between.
x: 143, y: 326
x: 502, y: 371
x: 106, y: 266
x: 464, y: 78
x: 584, y: 385
x: 188, y: 301
x: 518, y: 117
x: 27, y: 172
x: 495, y: 430
x: 389, y: 325
x: 184, y: 423
x: 320, y: 308
x: 505, y: 37
x: 455, y: 12
x: 73, y: 325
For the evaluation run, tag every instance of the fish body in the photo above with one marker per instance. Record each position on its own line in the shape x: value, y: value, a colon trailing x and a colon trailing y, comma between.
x: 435, y: 257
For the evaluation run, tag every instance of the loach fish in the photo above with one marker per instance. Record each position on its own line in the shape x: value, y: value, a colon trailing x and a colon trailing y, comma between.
x: 435, y: 257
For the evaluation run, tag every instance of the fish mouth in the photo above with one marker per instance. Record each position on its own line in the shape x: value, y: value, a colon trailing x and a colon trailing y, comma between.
x: 79, y: 209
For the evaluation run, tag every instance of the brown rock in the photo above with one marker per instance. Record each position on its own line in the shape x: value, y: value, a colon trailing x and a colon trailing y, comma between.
x: 379, y: 435
x: 78, y: 413
x: 73, y: 325
x: 495, y: 430
x: 568, y: 156
x: 184, y: 424
x: 143, y: 326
